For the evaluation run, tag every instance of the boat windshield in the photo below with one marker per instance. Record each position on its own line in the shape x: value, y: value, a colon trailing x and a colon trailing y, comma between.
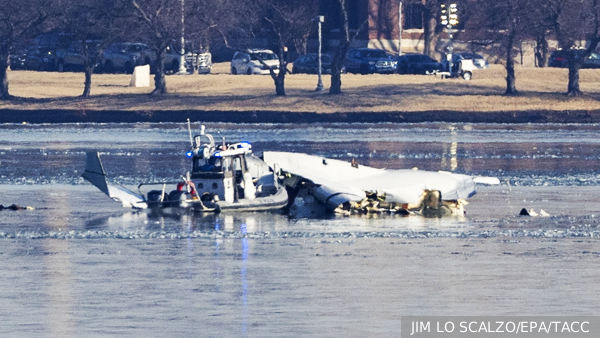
x: 213, y: 164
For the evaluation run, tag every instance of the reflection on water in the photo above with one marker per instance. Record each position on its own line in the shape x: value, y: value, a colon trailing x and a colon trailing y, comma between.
x: 521, y: 154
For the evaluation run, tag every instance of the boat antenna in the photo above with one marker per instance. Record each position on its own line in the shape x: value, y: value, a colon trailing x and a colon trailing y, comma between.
x: 190, y: 132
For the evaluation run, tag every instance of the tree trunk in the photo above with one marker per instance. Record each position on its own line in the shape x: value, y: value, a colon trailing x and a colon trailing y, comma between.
x: 336, y: 82
x: 279, y: 78
x: 430, y: 34
x: 280, y: 83
x: 340, y: 53
x: 511, y: 88
x: 573, y: 86
x: 160, y: 83
x: 88, y: 81
x: 4, y: 95
x: 542, y: 50
x: 336, y: 68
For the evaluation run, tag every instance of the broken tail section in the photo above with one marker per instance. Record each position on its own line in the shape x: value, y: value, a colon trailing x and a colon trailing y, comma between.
x: 94, y: 173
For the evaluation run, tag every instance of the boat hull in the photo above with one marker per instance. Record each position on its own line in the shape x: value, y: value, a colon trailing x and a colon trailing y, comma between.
x: 273, y: 202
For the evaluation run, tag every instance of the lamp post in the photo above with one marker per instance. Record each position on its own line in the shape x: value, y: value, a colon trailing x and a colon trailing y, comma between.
x: 320, y: 19
x: 182, y: 69
x: 449, y: 18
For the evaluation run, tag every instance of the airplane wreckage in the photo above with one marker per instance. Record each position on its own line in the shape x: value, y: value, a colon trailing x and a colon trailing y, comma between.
x: 229, y: 177
x: 346, y: 188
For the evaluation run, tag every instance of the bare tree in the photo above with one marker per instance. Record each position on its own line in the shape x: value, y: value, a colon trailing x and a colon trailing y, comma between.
x: 283, y: 22
x: 539, y: 18
x: 18, y: 20
x: 501, y: 22
x: 303, y: 26
x: 576, y: 21
x: 289, y: 22
x: 237, y: 22
x: 208, y: 18
x: 430, y: 27
x: 339, y: 57
x: 512, y: 25
x: 163, y: 23
x: 93, y: 23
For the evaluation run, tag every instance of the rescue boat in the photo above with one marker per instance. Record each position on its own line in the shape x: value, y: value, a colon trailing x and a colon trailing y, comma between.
x: 222, y: 178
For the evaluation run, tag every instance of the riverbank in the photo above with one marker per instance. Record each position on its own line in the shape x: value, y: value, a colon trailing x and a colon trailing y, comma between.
x: 48, y: 97
x: 124, y: 116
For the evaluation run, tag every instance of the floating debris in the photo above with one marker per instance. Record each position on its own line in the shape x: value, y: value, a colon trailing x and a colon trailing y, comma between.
x: 15, y: 207
x: 431, y: 205
x: 532, y: 213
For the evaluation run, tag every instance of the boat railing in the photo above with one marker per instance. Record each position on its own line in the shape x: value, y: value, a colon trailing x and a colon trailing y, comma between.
x: 198, y: 141
x: 164, y: 183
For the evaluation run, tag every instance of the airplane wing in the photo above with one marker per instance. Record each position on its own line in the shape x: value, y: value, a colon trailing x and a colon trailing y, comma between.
x: 328, y: 176
x: 94, y: 173
x: 407, y: 186
x: 338, y: 181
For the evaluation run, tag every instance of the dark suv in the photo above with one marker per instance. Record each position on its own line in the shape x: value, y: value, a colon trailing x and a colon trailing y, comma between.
x: 309, y: 64
x: 41, y: 59
x: 560, y: 58
x: 47, y: 51
x: 417, y: 64
x: 368, y: 61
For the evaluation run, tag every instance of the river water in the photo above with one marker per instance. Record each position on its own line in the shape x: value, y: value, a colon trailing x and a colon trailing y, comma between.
x: 79, y: 265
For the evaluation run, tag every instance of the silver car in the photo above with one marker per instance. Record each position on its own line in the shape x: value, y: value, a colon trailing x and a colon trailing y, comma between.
x: 126, y: 56
x: 249, y: 62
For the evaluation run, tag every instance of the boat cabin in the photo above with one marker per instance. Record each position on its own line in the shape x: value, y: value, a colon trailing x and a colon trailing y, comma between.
x: 222, y: 173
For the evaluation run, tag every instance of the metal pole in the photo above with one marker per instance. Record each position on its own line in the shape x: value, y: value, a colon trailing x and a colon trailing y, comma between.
x: 449, y: 7
x: 182, y: 69
x: 319, y: 71
x: 399, y: 28
x: 450, y: 49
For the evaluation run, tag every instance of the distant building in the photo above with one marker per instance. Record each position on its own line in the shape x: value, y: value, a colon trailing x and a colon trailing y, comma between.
x: 381, y: 18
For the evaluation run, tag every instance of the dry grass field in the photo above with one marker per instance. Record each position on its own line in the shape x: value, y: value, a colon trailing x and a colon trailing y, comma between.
x: 540, y: 89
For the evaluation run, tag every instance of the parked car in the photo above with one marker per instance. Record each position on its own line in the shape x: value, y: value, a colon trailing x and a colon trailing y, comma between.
x: 417, y: 64
x: 309, y: 64
x: 592, y: 61
x: 461, y: 67
x: 17, y: 58
x: 172, y: 59
x: 40, y: 59
x: 74, y: 58
x: 478, y: 60
x: 560, y: 58
x: 249, y: 62
x: 126, y: 56
x: 48, y: 51
x: 368, y: 61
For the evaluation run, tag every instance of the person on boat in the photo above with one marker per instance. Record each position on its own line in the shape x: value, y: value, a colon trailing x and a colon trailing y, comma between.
x: 190, y: 189
x: 212, y: 164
